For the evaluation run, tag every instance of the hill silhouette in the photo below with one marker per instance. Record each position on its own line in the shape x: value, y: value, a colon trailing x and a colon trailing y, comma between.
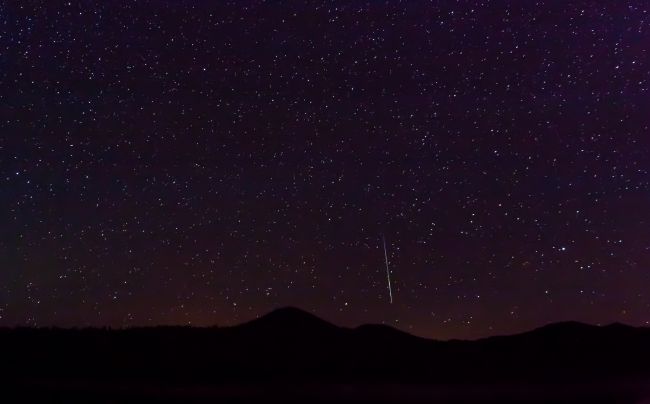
x: 290, y: 347
x: 289, y: 322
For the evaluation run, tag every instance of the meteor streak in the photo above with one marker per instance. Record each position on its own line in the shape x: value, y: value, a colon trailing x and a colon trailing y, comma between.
x: 390, y: 289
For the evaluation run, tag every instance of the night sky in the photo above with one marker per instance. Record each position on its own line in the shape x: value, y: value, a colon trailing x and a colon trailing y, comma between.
x: 204, y: 162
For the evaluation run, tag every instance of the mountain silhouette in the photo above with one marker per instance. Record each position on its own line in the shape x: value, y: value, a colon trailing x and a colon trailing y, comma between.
x: 383, y: 332
x: 305, y: 357
x: 289, y: 321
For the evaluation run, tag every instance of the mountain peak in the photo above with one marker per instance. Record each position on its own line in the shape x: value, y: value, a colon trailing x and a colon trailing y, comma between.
x: 290, y: 319
x: 290, y: 311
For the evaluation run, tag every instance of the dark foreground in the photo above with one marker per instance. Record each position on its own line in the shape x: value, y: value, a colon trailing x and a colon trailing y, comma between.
x: 129, y: 391
x: 73, y: 391
x: 291, y: 356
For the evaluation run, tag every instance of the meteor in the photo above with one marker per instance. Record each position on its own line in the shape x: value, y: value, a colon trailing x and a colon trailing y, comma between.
x: 390, y: 289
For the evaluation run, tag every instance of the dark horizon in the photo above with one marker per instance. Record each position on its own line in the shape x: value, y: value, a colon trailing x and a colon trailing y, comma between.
x: 291, y: 356
x: 325, y: 320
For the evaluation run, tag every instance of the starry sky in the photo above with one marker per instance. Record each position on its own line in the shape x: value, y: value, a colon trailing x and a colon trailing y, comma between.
x: 204, y: 162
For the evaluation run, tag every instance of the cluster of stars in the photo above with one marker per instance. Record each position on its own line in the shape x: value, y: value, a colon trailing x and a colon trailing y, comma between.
x: 205, y: 162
